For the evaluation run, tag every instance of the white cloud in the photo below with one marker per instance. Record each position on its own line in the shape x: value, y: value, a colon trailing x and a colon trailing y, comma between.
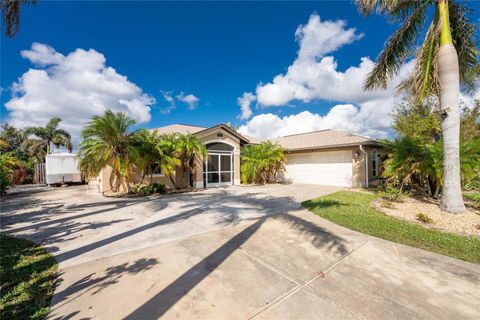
x: 314, y: 76
x: 167, y: 95
x: 268, y: 125
x: 189, y: 99
x: 73, y: 87
x: 244, y: 102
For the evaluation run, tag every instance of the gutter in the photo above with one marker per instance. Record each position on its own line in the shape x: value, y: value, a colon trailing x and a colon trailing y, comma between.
x: 366, y: 164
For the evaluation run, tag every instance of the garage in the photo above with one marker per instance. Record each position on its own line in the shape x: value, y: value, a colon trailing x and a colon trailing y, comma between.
x: 322, y: 167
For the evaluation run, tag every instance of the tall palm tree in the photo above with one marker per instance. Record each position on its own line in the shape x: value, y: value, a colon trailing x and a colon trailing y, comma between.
x: 108, y: 140
x: 446, y: 58
x: 191, y: 148
x: 50, y: 134
x: 11, y: 15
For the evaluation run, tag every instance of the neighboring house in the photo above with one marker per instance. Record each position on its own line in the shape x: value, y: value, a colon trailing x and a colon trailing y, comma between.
x: 326, y: 157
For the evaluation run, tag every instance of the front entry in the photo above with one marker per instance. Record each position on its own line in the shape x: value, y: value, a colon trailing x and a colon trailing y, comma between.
x: 218, y: 166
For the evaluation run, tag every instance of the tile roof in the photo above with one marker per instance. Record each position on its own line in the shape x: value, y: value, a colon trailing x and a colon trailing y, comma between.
x: 321, y: 139
x: 178, y: 128
x: 328, y: 138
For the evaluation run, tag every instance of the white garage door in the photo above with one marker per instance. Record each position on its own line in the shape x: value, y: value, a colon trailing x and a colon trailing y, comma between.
x: 332, y: 168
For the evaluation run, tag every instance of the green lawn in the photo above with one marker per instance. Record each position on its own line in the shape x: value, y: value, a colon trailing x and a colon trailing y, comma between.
x: 352, y: 210
x: 27, y: 274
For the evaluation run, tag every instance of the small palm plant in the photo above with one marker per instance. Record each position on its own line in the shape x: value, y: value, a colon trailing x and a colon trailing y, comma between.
x: 169, y: 160
x: 190, y: 148
x: 261, y: 163
x: 154, y: 149
x: 108, y: 140
x: 446, y: 59
x: 46, y: 136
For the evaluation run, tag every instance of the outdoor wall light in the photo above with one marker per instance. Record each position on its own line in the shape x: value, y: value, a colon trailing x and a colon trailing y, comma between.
x: 444, y: 113
x: 356, y: 155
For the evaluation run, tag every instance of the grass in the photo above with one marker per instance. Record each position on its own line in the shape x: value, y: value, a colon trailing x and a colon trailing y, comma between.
x: 352, y: 210
x: 27, y: 274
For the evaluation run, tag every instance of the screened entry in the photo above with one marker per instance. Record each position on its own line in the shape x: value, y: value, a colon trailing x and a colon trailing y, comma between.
x: 218, y: 166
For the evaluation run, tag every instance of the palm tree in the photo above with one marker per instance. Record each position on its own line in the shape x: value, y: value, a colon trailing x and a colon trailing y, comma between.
x: 50, y: 134
x: 261, y: 163
x: 439, y: 69
x: 153, y: 150
x: 108, y: 140
x: 190, y: 148
x: 169, y: 160
x: 11, y: 15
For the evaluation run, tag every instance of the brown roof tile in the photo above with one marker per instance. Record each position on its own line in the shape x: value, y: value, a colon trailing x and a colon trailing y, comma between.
x: 321, y: 139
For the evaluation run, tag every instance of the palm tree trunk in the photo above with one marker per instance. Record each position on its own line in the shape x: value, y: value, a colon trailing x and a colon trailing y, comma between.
x: 448, y: 73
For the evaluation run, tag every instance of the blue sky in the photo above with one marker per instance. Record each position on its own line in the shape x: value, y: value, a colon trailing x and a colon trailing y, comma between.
x: 214, y: 51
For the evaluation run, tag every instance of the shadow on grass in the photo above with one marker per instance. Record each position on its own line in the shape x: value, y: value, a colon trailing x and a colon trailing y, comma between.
x: 28, y: 272
x: 321, y: 203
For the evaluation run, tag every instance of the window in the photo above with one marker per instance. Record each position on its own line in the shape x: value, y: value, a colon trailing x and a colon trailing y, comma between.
x: 374, y: 163
x: 154, y: 170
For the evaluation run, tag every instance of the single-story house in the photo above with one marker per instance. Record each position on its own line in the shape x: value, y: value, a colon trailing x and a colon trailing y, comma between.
x: 325, y: 157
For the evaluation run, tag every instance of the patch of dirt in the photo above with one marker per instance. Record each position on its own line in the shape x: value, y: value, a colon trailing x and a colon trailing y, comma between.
x: 467, y: 223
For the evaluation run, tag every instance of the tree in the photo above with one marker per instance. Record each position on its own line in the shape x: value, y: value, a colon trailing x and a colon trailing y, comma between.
x: 11, y: 15
x: 262, y: 162
x: 108, y: 140
x: 190, y: 149
x: 470, y: 123
x: 439, y: 69
x: 170, y: 161
x: 416, y: 122
x: 14, y: 139
x: 8, y: 163
x: 50, y: 134
x: 152, y: 150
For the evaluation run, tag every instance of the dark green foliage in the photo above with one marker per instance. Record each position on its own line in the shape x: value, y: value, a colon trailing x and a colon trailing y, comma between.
x: 28, y: 273
x: 261, y: 162
x: 149, y: 189
x: 353, y: 210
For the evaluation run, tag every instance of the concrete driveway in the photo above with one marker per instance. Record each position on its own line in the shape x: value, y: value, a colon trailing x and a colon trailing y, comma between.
x: 235, y: 253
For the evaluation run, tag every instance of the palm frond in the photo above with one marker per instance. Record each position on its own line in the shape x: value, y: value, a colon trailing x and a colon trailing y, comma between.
x: 424, y: 79
x: 396, y: 50
x: 464, y: 36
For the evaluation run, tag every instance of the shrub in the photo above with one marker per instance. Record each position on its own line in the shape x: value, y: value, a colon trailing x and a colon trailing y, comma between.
x: 149, y: 189
x: 424, y: 218
x: 390, y: 193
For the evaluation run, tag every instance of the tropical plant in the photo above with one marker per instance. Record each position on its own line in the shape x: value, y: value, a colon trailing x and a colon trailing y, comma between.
x: 8, y: 163
x: 413, y: 162
x: 262, y: 162
x: 170, y: 161
x: 108, y: 141
x: 11, y: 15
x: 50, y: 134
x: 439, y: 70
x: 153, y: 150
x: 190, y: 149
x: 470, y: 122
x: 416, y: 121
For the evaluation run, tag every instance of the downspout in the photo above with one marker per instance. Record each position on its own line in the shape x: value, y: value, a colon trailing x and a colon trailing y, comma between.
x: 366, y: 164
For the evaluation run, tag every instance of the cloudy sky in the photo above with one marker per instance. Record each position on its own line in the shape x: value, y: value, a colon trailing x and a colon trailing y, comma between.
x: 271, y: 68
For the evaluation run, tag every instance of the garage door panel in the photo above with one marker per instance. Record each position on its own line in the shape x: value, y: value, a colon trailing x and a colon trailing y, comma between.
x: 327, y: 168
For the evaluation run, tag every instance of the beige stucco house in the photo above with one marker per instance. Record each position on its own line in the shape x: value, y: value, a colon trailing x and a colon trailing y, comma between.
x: 326, y: 157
